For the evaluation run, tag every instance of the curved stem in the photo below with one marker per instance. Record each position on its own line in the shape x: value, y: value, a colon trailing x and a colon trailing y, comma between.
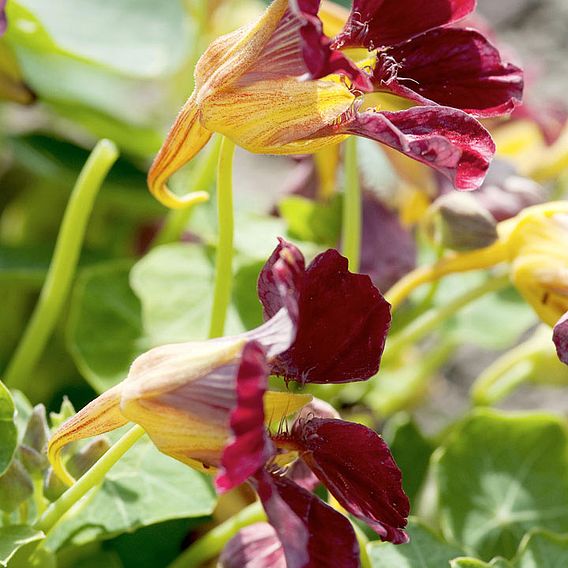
x: 351, y: 237
x: 212, y: 543
x: 434, y: 317
x: 462, y: 262
x: 506, y: 373
x: 91, y: 479
x: 177, y: 219
x: 63, y: 265
x: 224, y: 257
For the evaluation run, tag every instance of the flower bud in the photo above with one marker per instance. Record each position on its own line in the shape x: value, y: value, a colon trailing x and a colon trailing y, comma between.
x: 462, y: 222
x: 37, y: 430
x: 15, y: 487
x: 53, y: 487
x: 80, y: 462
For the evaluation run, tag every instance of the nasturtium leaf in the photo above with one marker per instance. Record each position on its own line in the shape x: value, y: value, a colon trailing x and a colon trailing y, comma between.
x: 105, y: 332
x: 466, y: 562
x: 145, y: 487
x: 25, y: 265
x: 130, y: 37
x: 411, y: 451
x: 14, y: 537
x: 175, y: 286
x: 425, y: 550
x: 245, y: 298
x: 543, y: 549
x: 8, y: 430
x: 498, y: 476
x: 311, y: 220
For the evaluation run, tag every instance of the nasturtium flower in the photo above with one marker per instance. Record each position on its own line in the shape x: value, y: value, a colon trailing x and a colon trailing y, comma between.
x: 207, y: 404
x: 324, y: 324
x: 280, y: 86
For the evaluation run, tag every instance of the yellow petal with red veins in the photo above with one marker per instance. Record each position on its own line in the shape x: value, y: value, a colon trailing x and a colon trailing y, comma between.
x: 98, y: 417
x: 278, y: 116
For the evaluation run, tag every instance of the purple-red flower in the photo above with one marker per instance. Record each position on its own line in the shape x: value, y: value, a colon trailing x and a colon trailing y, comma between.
x: 207, y: 404
x: 282, y: 86
x: 560, y: 337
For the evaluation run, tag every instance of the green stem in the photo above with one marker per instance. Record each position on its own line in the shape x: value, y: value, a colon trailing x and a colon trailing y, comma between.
x: 363, y: 542
x: 506, y: 373
x: 91, y: 479
x: 351, y: 237
x: 63, y: 265
x: 177, y: 219
x: 224, y: 257
x: 212, y: 543
x: 433, y: 318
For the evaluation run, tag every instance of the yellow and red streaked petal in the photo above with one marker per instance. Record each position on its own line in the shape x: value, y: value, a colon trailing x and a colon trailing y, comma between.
x: 446, y: 139
x: 452, y: 67
x: 311, y: 532
x: 356, y: 466
x: 186, y: 138
x: 380, y: 23
x: 277, y: 116
x: 560, y: 338
x: 98, y: 417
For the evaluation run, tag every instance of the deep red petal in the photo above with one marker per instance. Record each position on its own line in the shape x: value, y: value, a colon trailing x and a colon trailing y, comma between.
x: 388, y: 250
x: 255, y: 546
x: 446, y: 139
x: 342, y: 326
x: 452, y: 67
x: 319, y: 57
x: 250, y: 447
x: 560, y: 337
x: 380, y: 23
x: 355, y: 464
x: 280, y: 280
x: 313, y: 534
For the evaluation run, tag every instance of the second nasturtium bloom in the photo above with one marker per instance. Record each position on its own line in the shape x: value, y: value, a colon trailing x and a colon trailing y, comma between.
x: 207, y: 404
x: 280, y: 86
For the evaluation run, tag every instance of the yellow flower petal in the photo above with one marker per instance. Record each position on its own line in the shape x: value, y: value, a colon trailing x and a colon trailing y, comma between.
x: 185, y: 139
x: 98, y: 417
x: 278, y: 405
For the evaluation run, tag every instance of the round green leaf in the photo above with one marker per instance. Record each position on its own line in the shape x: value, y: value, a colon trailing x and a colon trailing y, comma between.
x: 425, y: 550
x: 8, y: 430
x: 500, y: 475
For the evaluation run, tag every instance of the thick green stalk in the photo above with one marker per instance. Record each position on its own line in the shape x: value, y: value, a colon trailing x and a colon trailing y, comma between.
x: 224, y: 257
x: 91, y: 479
x: 212, y: 543
x: 177, y: 219
x: 63, y: 265
x: 351, y: 225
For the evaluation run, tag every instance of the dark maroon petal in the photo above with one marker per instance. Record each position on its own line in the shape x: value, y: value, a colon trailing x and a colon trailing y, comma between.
x: 342, y: 326
x: 380, y: 23
x: 312, y: 533
x: 255, y: 546
x: 355, y: 464
x: 446, y: 139
x: 280, y: 281
x: 388, y: 250
x: 560, y: 337
x: 319, y: 57
x: 451, y: 67
x: 250, y: 447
